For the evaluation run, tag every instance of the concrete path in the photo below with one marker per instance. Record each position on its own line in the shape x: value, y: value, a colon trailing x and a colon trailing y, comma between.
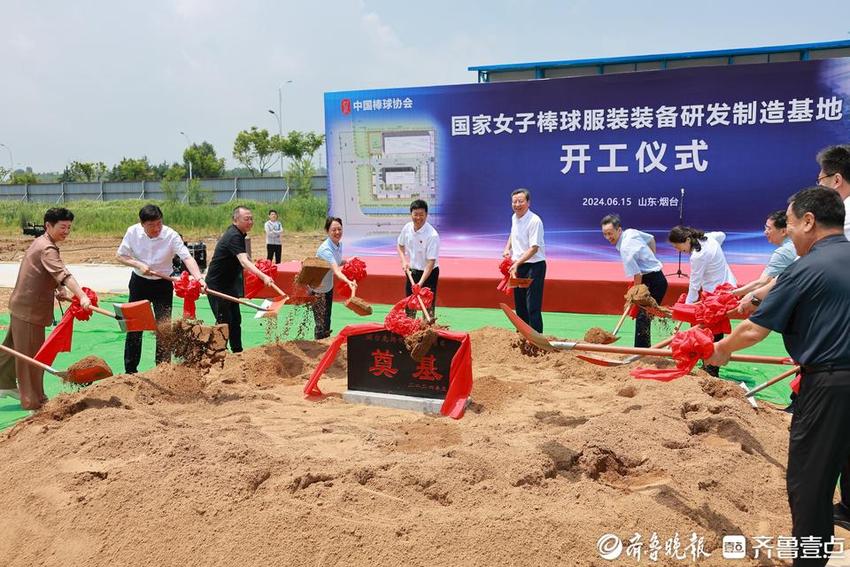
x: 102, y: 278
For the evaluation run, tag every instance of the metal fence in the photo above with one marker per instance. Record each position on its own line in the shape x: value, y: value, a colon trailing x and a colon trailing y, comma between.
x: 267, y: 189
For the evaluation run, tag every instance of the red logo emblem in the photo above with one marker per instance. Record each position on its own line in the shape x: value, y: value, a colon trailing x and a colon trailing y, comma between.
x: 345, y: 106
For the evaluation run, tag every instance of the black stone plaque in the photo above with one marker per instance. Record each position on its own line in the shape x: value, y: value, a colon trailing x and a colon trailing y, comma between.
x: 379, y: 362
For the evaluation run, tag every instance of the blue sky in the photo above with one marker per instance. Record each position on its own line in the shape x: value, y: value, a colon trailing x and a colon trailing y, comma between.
x: 100, y: 80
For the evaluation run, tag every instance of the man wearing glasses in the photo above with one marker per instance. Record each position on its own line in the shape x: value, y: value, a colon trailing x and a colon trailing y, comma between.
x: 834, y: 163
x: 834, y: 173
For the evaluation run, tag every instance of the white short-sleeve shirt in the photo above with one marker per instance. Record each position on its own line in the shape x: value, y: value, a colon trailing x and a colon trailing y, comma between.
x: 420, y: 245
x: 527, y: 231
x: 708, y: 266
x: 155, y: 252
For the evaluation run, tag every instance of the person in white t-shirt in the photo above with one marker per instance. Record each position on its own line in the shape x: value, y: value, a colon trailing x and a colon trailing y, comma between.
x: 527, y: 250
x: 418, y: 248
x: 149, y: 246
x: 708, y: 265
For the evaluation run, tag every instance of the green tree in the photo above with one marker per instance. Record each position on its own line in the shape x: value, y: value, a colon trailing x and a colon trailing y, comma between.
x: 300, y: 148
x: 3, y: 174
x: 24, y: 177
x: 205, y: 164
x: 84, y: 171
x: 256, y: 150
x: 130, y: 169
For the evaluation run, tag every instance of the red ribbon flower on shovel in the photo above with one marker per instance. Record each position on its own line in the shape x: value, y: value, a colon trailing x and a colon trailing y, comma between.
x: 189, y: 290
x: 688, y: 348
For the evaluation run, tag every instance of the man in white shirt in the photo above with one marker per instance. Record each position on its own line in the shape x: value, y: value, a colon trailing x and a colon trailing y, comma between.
x: 149, y: 247
x: 637, y: 251
x: 527, y: 250
x: 418, y: 248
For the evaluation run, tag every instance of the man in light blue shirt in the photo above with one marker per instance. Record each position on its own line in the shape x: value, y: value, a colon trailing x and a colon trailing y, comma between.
x: 785, y: 255
x: 637, y: 250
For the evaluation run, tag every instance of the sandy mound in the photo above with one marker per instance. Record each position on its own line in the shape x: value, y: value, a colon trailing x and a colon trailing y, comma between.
x: 599, y: 335
x: 235, y: 467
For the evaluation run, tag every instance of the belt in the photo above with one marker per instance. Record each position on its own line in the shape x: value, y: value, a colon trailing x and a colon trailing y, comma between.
x: 826, y: 367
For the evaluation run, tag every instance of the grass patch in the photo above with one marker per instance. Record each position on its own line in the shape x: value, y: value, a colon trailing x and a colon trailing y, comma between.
x: 102, y: 218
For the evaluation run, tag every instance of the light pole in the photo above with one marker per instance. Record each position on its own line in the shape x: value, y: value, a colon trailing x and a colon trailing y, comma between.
x: 188, y: 141
x: 11, y: 160
x: 279, y: 115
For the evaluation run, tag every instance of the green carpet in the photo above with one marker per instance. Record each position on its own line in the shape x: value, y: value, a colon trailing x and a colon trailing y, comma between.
x: 100, y: 336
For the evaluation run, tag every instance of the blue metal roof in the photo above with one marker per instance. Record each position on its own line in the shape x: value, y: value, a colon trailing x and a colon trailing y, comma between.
x: 664, y: 56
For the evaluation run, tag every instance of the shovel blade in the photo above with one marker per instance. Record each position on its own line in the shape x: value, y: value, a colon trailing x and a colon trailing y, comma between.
x: 135, y: 316
x: 269, y: 308
x: 526, y: 331
x: 86, y: 371
x: 600, y: 361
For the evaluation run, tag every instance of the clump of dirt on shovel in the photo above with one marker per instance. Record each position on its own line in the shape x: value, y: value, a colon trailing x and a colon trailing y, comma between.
x: 420, y: 342
x: 88, y: 369
x: 526, y: 348
x: 600, y: 336
x: 196, y: 344
x: 639, y: 295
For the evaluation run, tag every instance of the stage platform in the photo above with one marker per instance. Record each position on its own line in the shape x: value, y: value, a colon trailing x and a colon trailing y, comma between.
x: 571, y: 286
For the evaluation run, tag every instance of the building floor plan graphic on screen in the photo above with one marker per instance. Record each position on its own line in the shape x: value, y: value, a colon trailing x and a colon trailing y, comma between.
x: 390, y: 167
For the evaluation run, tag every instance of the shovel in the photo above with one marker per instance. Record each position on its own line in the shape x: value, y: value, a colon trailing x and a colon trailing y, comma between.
x: 265, y: 311
x: 602, y: 361
x: 83, y: 375
x: 543, y: 343
x: 771, y: 382
x: 429, y: 337
x: 135, y: 316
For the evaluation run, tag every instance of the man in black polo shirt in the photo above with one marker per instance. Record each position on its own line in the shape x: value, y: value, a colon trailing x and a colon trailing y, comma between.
x: 807, y: 305
x: 225, y: 274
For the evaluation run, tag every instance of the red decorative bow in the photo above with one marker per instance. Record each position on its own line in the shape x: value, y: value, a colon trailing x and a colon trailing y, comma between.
x: 190, y: 291
x: 688, y: 347
x: 355, y: 270
x: 505, y: 268
x: 77, y: 311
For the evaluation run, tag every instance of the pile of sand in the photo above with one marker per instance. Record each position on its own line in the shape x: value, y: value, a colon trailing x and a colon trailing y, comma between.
x: 235, y: 467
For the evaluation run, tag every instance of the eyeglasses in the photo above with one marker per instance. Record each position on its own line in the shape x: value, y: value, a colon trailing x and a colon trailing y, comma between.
x: 822, y: 177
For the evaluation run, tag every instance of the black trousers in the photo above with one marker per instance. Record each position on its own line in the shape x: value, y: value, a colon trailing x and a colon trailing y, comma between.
x: 529, y: 301
x: 273, y: 252
x: 657, y: 284
x: 228, y: 312
x: 845, y: 485
x: 161, y: 295
x: 818, y: 449
x: 322, y: 314
x: 430, y: 283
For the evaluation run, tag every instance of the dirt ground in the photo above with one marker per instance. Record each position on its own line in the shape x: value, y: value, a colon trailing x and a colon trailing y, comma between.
x: 235, y: 467
x: 78, y: 250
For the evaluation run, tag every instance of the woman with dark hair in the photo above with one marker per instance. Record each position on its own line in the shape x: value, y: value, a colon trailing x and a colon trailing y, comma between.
x: 708, y: 265
x: 331, y: 251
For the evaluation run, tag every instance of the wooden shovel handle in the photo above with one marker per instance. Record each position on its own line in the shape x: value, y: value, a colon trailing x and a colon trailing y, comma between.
x: 30, y: 360
x: 663, y: 352
x: 214, y: 293
x: 94, y: 308
x: 772, y: 381
x: 622, y: 319
x: 419, y: 297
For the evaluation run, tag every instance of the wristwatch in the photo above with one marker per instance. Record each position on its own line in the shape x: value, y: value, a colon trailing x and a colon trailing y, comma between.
x: 755, y: 301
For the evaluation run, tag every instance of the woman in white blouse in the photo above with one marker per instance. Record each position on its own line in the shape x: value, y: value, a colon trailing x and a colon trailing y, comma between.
x: 708, y: 265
